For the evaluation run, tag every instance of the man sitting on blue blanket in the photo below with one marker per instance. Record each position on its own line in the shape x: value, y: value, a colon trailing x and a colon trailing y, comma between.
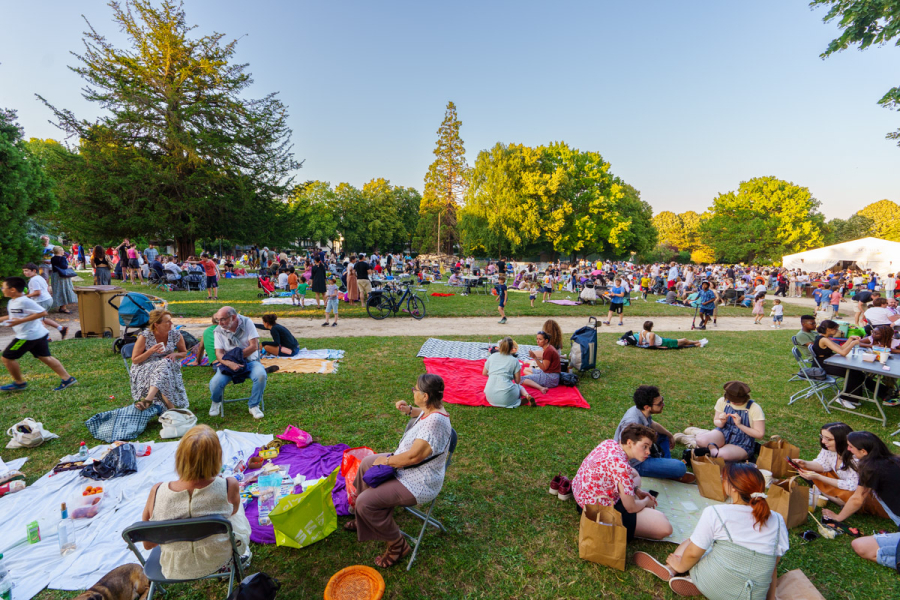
x: 647, y: 402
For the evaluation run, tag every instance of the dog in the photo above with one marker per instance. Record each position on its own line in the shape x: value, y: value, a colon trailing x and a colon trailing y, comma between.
x: 127, y: 582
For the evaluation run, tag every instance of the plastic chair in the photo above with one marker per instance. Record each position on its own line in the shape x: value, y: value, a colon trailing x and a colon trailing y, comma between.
x: 127, y: 351
x: 181, y: 530
x: 426, y: 516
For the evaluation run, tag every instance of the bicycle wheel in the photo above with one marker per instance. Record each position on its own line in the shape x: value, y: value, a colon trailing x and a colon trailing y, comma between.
x: 416, y: 308
x: 379, y: 307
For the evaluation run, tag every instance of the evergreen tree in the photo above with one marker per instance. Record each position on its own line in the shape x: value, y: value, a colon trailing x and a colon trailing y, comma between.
x: 445, y: 185
x: 180, y: 153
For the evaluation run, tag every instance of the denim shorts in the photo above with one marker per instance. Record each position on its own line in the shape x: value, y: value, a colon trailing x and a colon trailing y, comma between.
x: 332, y: 306
x: 887, y: 549
x: 778, y: 318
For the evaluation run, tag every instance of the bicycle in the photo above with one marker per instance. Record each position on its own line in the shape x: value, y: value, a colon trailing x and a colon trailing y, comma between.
x: 383, y: 303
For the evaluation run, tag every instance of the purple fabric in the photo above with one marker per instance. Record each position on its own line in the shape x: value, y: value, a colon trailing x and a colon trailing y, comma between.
x: 378, y: 474
x: 564, y: 302
x: 314, y: 461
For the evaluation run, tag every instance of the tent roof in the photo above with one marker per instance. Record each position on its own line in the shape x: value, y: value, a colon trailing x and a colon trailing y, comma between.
x: 882, y: 256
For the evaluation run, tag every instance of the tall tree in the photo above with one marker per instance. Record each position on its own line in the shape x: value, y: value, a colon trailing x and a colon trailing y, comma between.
x: 763, y: 220
x: 25, y: 190
x: 179, y: 152
x: 445, y: 186
x: 669, y: 228
x: 377, y: 217
x: 857, y: 226
x: 864, y: 23
x: 313, y: 210
x: 885, y: 216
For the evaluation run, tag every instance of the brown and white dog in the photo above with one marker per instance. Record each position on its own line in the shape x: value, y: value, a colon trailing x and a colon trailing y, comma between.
x: 127, y: 582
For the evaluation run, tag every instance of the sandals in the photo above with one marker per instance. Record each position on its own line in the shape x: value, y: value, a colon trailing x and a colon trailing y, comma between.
x: 529, y: 401
x: 350, y: 525
x: 394, y: 553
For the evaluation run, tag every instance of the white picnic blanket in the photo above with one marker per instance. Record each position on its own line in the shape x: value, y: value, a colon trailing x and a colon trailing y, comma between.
x: 99, y: 544
x: 306, y: 301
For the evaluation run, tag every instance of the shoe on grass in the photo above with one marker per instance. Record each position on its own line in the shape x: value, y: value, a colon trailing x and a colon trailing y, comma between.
x: 63, y: 332
x: 683, y: 586
x: 648, y: 563
x: 554, y: 485
x: 271, y: 369
x: 892, y: 402
x: 256, y: 413
x: 14, y: 387
x: 215, y: 409
x: 565, y: 490
x: 64, y: 383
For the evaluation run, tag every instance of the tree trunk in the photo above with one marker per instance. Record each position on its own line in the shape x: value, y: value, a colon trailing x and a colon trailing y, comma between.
x: 184, y: 247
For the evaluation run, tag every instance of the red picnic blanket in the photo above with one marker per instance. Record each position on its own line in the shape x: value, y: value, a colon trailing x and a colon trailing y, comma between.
x: 464, y: 384
x: 440, y: 295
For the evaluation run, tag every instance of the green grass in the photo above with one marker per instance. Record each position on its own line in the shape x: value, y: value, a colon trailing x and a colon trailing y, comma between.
x: 507, y: 537
x: 242, y: 294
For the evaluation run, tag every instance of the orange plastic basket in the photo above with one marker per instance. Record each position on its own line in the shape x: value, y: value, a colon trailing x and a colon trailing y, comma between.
x: 355, y: 583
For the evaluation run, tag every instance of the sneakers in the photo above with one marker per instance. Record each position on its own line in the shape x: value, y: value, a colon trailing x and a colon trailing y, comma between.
x: 271, y: 369
x: 848, y: 405
x: 565, y: 490
x: 502, y: 321
x: 215, y: 409
x: 892, y: 402
x: 687, y: 478
x: 703, y: 342
x: 64, y: 383
x: 683, y: 586
x: 334, y: 324
x: 325, y: 324
x: 256, y: 413
x: 14, y: 387
x: 63, y: 332
x: 554, y: 485
x: 648, y: 563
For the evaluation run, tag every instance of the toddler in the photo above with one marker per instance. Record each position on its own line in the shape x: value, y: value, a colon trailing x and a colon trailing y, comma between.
x: 777, y: 314
x: 292, y: 284
x: 835, y: 302
x: 300, y: 292
x: 758, y: 309
x: 532, y: 293
x: 331, y: 302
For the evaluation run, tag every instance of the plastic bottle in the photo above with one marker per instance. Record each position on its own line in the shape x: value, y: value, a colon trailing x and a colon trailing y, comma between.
x: 5, y: 582
x: 66, y: 532
x: 142, y: 449
x: 82, y: 450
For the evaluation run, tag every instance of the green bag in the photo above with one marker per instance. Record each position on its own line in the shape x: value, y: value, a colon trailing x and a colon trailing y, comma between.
x: 303, y: 519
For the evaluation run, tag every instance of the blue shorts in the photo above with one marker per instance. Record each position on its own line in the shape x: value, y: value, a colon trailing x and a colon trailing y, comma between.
x: 887, y: 549
x: 777, y: 318
x: 332, y: 306
x: 211, y: 281
x: 707, y: 311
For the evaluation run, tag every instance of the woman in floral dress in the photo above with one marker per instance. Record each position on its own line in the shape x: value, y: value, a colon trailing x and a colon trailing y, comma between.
x: 156, y: 365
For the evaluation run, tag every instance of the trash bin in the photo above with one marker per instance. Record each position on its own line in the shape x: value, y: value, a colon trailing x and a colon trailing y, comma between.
x: 97, y: 317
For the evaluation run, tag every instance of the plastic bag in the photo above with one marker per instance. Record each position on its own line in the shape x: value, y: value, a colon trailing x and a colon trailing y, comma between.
x: 119, y: 462
x: 349, y: 467
x: 303, y: 519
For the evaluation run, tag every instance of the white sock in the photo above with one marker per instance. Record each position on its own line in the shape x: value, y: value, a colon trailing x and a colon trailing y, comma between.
x: 60, y: 328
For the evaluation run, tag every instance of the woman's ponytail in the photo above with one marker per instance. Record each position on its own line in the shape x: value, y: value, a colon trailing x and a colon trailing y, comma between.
x: 761, y: 511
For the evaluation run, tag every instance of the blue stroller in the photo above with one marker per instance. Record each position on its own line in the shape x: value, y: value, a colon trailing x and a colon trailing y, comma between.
x: 583, y: 355
x: 134, y: 314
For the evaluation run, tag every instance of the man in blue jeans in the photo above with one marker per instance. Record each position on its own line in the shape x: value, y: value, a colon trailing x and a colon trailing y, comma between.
x: 237, y: 331
x: 647, y: 402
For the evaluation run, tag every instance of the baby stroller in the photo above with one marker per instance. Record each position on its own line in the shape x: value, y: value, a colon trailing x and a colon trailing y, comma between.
x: 583, y: 355
x: 589, y: 294
x: 134, y: 314
x: 659, y: 287
x: 267, y: 287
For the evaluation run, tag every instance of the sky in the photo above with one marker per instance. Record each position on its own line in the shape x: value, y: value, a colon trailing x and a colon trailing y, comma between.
x: 684, y: 99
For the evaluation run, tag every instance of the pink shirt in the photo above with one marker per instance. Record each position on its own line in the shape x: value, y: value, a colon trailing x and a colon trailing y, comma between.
x: 599, y: 476
x: 835, y: 297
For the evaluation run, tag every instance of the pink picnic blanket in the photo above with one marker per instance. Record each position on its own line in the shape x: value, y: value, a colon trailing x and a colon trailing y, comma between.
x: 464, y: 384
x: 564, y: 302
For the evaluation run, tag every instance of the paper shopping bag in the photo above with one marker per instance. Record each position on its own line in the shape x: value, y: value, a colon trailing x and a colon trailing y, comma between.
x: 790, y: 500
x: 708, y: 471
x: 773, y: 457
x: 794, y: 585
x: 601, y: 536
x: 303, y: 519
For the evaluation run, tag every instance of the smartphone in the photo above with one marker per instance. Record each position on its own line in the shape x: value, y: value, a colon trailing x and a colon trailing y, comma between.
x: 792, y: 463
x: 653, y: 493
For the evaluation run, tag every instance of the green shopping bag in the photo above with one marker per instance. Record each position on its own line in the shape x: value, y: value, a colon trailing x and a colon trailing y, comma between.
x: 304, y: 519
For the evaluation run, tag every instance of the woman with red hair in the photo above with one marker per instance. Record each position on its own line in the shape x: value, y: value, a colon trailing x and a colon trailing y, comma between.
x: 734, y: 550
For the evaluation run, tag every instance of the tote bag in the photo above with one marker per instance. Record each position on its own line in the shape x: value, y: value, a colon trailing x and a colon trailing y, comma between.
x: 601, y: 536
x: 303, y: 519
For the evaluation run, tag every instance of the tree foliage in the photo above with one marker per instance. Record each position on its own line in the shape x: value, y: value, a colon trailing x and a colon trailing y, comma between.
x: 555, y: 198
x: 179, y: 152
x: 445, y: 186
x: 865, y: 23
x: 681, y: 231
x: 25, y: 191
x: 884, y: 215
x: 763, y: 220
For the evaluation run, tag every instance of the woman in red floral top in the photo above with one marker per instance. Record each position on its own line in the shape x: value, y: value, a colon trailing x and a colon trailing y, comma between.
x: 605, y: 477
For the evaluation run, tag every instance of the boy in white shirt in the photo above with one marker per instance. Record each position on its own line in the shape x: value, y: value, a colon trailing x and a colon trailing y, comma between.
x: 777, y: 314
x: 31, y: 336
x: 283, y: 280
x: 40, y: 293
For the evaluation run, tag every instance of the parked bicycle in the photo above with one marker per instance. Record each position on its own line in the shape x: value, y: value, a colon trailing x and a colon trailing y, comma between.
x: 384, y: 302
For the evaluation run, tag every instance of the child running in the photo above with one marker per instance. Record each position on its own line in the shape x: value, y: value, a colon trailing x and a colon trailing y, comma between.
x: 293, y: 282
x: 38, y: 291
x: 211, y: 269
x: 835, y: 302
x: 645, y: 285
x: 532, y: 293
x: 331, y: 301
x: 25, y: 317
x: 616, y: 302
x: 502, y: 295
x: 777, y: 314
x: 758, y: 307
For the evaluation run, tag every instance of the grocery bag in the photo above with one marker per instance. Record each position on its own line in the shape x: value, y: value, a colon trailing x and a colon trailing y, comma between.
x: 773, y: 455
x: 28, y: 433
x: 794, y: 585
x: 790, y: 500
x: 601, y: 536
x: 349, y: 467
x: 303, y: 519
x: 708, y: 471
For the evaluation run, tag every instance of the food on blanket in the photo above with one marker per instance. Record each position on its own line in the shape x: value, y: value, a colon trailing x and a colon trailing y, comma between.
x: 68, y: 466
x: 12, y: 487
x: 33, y: 532
x: 91, y: 490
x: 122, y: 583
x: 255, y: 463
x: 88, y: 509
x: 269, y: 453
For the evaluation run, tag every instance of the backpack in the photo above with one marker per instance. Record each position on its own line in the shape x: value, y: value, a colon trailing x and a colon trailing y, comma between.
x: 258, y: 586
x: 629, y: 339
x: 568, y: 379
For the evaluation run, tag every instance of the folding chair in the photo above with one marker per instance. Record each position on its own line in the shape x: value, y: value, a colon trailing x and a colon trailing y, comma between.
x: 127, y: 351
x: 426, y: 516
x: 814, y: 387
x: 262, y: 403
x: 181, y: 530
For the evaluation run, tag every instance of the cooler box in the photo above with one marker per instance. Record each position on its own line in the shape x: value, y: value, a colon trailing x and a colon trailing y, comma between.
x: 97, y: 317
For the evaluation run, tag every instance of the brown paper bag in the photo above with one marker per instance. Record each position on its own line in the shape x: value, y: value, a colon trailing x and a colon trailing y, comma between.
x: 708, y: 471
x: 601, y: 536
x: 794, y: 585
x: 773, y: 455
x: 790, y: 500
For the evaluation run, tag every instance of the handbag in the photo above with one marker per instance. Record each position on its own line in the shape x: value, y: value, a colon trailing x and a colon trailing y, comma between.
x: 28, y: 433
x: 303, y: 519
x: 258, y: 586
x: 176, y: 422
x: 378, y: 474
x: 65, y: 273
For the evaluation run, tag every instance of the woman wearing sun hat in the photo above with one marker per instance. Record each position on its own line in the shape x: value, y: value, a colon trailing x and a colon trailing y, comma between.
x: 739, y: 423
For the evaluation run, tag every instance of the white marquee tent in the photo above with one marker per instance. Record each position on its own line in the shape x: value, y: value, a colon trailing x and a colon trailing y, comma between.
x: 881, y: 256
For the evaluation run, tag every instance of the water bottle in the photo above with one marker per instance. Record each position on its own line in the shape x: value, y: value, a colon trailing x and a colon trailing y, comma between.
x: 66, y: 532
x: 5, y: 582
x: 82, y: 451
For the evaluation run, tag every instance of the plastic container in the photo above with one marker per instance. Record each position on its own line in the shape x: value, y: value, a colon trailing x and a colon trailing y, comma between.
x: 141, y: 449
x: 85, y: 507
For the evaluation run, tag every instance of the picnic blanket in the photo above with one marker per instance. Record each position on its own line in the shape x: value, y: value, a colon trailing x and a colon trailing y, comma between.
x: 437, y: 348
x: 313, y: 461
x: 564, y: 302
x: 440, y: 295
x: 99, y: 540
x: 681, y: 503
x: 464, y: 384
x: 289, y: 301
x: 306, y: 365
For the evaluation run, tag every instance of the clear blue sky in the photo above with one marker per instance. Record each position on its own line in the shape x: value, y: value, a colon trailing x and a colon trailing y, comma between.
x: 685, y: 99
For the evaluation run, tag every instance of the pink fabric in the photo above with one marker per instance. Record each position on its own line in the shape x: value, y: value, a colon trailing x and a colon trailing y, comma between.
x: 564, y: 302
x: 464, y: 384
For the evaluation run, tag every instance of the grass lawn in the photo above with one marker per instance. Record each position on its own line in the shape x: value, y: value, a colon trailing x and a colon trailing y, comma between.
x: 242, y: 294
x: 507, y: 538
